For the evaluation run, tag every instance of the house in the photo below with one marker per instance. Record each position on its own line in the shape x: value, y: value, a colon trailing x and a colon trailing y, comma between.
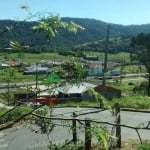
x: 108, y: 92
x: 74, y: 92
x: 94, y: 68
x: 13, y: 62
x: 3, y: 65
x: 44, y: 95
x: 33, y: 69
x: 66, y: 93
x: 23, y: 98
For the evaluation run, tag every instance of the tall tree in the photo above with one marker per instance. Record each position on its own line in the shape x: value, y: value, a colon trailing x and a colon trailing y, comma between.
x: 142, y: 42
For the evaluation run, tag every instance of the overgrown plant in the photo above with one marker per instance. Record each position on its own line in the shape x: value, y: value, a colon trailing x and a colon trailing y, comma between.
x: 14, y: 114
x: 9, y: 75
x: 101, y: 134
x: 144, y: 147
x: 46, y: 126
x: 98, y: 97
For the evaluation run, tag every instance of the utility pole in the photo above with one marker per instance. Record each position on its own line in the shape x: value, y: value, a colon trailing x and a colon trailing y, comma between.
x: 105, y: 60
x: 36, y: 82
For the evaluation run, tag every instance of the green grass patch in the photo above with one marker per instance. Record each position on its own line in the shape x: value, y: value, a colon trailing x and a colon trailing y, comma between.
x: 31, y: 58
x: 131, y: 101
x: 144, y: 147
x: 15, y: 113
x: 3, y: 111
x: 20, y: 77
x: 134, y: 69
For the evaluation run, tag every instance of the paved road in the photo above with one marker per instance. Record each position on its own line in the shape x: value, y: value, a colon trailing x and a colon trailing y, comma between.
x: 17, y: 85
x: 23, y: 137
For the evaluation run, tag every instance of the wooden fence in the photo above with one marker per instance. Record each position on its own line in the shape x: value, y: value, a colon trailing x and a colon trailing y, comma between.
x: 87, y: 124
x: 116, y: 129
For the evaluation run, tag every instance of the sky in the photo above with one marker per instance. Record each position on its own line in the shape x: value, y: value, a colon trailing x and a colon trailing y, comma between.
x: 125, y: 12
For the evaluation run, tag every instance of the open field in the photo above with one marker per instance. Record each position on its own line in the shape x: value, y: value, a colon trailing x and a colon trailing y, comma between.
x: 55, y: 56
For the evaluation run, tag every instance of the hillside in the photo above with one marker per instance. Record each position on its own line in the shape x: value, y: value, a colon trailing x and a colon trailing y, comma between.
x: 95, y: 31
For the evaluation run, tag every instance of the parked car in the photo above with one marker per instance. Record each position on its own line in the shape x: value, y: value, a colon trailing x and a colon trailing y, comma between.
x: 115, y: 72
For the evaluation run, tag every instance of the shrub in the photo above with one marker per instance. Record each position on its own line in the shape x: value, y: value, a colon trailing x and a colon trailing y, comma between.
x: 15, y: 113
x: 144, y: 147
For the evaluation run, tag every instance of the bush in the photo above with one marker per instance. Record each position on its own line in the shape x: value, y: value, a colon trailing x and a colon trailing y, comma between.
x: 142, y: 88
x: 15, y: 114
x: 144, y: 147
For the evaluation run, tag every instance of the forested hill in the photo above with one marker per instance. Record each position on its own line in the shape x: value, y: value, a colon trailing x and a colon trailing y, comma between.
x: 95, y: 30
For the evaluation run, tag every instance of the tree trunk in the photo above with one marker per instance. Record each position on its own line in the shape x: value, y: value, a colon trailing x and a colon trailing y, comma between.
x: 148, y: 88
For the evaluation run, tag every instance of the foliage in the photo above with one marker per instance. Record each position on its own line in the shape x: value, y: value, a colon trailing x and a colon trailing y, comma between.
x: 9, y: 74
x: 141, y: 88
x: 136, y: 101
x: 44, y: 124
x: 17, y: 47
x: 65, y: 146
x: 51, y: 24
x: 5, y: 96
x: 76, y: 71
x: 3, y: 110
x: 15, y: 114
x: 95, y: 31
x: 102, y: 135
x: 99, y: 98
x: 142, y: 41
x: 144, y: 147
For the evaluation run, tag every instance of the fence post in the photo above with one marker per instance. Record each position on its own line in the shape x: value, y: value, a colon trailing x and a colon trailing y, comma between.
x: 118, y: 128
x: 74, y: 129
x: 87, y: 134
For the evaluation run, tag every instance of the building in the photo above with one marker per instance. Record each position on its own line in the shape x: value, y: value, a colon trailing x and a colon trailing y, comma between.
x: 108, y: 92
x: 74, y: 92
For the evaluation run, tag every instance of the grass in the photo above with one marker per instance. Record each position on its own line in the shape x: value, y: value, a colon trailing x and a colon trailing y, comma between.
x: 31, y: 58
x: 19, y: 77
x: 135, y: 145
x: 3, y: 111
x: 55, y: 56
x: 134, y: 69
x: 119, y: 56
x: 132, y: 101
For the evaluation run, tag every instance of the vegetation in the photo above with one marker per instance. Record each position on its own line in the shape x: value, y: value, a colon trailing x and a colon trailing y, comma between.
x: 144, y: 147
x: 142, y: 41
x: 33, y: 37
x: 93, y: 35
x: 15, y: 114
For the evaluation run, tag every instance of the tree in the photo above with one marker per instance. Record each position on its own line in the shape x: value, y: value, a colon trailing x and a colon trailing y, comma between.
x: 50, y: 25
x: 142, y: 42
x: 9, y: 75
x: 17, y: 47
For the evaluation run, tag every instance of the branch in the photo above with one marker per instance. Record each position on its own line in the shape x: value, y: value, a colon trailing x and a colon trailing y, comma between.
x: 139, y: 135
x: 101, y: 122
x: 3, y: 127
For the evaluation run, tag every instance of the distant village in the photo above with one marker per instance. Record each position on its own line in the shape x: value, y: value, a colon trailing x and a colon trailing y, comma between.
x: 53, y: 94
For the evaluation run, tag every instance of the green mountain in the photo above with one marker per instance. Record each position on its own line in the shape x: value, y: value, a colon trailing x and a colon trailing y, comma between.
x: 91, y: 38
